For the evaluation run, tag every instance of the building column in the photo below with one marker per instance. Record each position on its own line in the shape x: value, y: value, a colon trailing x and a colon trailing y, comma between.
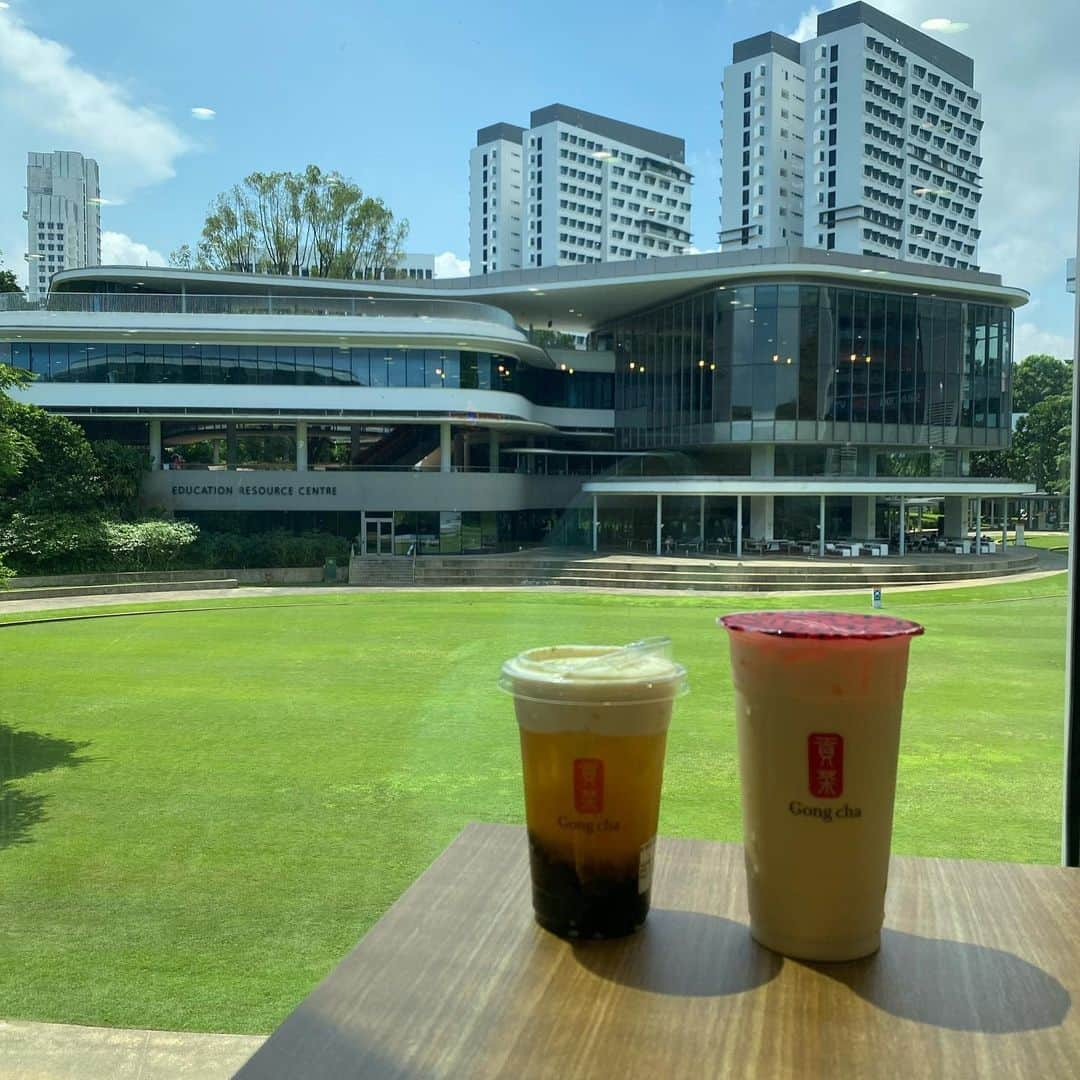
x: 761, y: 516
x: 445, y: 445
x: 301, y: 446
x: 155, y: 444
x: 1004, y: 523
x: 701, y: 524
x: 659, y: 522
x: 955, y: 516
x: 354, y: 443
x: 821, y: 526
x: 493, y: 451
x: 738, y: 526
x: 465, y: 438
x: 863, y: 516
x: 595, y: 523
x: 978, y: 526
x: 903, y: 529
x: 230, y: 446
x: 763, y: 460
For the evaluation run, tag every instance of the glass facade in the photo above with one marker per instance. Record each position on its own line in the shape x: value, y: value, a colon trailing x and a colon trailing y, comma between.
x: 799, y: 362
x: 288, y: 365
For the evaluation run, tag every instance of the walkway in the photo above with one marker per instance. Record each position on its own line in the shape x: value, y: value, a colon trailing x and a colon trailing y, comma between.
x: 1050, y: 562
x: 32, y: 1051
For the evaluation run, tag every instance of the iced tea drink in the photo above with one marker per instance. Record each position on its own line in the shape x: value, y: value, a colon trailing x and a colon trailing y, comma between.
x: 593, y: 721
x: 818, y: 697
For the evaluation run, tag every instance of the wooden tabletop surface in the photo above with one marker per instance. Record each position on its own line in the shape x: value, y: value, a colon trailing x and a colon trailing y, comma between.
x: 977, y: 976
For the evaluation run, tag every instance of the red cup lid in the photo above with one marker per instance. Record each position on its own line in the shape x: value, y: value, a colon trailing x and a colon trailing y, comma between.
x: 820, y: 624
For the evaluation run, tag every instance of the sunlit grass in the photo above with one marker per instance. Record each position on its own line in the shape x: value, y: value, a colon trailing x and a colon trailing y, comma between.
x: 202, y: 810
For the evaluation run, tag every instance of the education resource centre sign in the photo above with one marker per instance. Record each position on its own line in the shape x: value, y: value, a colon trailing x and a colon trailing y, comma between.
x: 407, y: 490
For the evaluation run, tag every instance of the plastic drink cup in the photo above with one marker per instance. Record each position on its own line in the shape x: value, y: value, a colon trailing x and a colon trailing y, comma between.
x: 593, y: 721
x: 818, y: 698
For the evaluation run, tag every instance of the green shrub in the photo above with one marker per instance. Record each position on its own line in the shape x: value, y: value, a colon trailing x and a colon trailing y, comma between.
x: 148, y: 545
x: 242, y: 551
x: 79, y: 544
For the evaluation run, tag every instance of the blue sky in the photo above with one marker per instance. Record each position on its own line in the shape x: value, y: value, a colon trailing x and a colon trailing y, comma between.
x: 391, y: 94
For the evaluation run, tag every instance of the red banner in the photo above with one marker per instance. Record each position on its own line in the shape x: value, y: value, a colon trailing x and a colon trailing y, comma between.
x: 825, y: 760
x: 588, y: 785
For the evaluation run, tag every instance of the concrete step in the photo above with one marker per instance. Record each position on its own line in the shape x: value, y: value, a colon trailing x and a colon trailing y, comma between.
x: 134, y: 577
x: 109, y: 590
x: 991, y: 565
x: 727, y: 575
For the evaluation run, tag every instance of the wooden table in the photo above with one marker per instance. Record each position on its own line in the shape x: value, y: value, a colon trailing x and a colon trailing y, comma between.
x: 976, y: 977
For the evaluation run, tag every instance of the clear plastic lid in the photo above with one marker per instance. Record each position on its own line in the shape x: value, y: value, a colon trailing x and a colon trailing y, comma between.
x: 641, y: 671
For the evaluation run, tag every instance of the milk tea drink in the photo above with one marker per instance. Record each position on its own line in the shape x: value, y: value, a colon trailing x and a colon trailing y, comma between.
x: 593, y: 723
x: 818, y: 697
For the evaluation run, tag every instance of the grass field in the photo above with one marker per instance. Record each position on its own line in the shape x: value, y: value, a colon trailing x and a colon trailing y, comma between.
x: 202, y: 810
x: 1045, y: 539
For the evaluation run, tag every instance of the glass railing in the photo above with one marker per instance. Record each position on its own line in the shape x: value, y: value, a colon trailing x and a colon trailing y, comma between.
x: 210, y: 304
x: 633, y: 467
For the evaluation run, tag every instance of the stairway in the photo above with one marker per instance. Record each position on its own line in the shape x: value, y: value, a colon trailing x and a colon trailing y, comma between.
x: 404, y: 447
x: 381, y: 571
x: 760, y: 574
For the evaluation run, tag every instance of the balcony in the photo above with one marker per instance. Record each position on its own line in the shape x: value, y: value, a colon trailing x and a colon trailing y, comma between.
x: 210, y: 304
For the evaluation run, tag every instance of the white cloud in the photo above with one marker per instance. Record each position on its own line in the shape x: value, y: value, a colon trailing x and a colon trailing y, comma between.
x: 1030, y: 87
x: 449, y: 265
x: 943, y: 26
x: 49, y: 101
x: 201, y: 112
x: 118, y: 249
x: 807, y: 25
x: 1029, y: 338
x: 43, y: 83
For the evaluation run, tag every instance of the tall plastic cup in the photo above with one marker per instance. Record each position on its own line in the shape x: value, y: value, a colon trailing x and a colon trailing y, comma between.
x: 593, y: 721
x: 818, y: 698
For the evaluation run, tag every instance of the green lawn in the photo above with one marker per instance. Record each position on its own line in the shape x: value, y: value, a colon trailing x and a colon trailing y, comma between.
x: 1043, y: 539
x: 202, y: 810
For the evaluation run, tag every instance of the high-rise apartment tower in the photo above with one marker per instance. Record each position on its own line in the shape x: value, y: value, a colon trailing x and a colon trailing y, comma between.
x: 864, y: 139
x: 575, y: 188
x: 63, y: 216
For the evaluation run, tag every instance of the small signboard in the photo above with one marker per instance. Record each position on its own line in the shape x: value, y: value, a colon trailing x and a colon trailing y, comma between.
x: 876, y: 597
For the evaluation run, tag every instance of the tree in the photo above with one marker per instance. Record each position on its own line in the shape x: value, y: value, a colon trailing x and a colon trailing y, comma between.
x: 228, y: 235
x: 1040, y: 441
x: 280, y: 222
x: 60, y: 471
x: 1038, y: 377
x: 992, y: 464
x: 552, y: 339
x: 8, y: 284
x: 15, y: 448
x: 284, y: 232
x: 351, y: 233
x: 119, y: 469
x: 181, y: 257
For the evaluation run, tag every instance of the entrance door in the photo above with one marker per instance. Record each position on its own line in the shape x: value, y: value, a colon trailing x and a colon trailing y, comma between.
x: 379, y: 536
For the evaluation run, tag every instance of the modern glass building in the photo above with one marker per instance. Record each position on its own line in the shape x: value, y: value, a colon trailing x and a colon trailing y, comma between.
x: 723, y: 398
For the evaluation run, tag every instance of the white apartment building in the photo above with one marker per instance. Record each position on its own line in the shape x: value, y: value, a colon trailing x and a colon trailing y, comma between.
x: 63, y: 216
x: 764, y: 144
x: 496, y: 236
x: 864, y: 139
x: 592, y: 189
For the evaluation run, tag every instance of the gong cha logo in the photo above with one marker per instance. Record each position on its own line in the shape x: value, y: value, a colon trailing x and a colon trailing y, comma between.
x: 588, y: 785
x: 825, y: 763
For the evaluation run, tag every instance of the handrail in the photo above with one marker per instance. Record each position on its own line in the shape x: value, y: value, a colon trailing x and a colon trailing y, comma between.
x: 226, y: 304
